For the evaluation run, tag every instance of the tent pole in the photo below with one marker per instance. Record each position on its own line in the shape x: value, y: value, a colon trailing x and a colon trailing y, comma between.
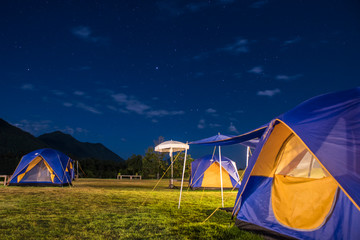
x: 247, y: 156
x: 182, y: 178
x: 172, y: 170
x: 221, y: 180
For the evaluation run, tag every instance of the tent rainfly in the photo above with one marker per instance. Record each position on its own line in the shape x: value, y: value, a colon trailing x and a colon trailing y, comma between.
x: 205, y: 173
x: 303, y: 180
x: 43, y: 167
x: 213, y: 140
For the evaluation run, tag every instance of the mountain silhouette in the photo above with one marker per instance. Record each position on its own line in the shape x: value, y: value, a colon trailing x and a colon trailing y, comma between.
x: 76, y: 149
x: 14, y: 143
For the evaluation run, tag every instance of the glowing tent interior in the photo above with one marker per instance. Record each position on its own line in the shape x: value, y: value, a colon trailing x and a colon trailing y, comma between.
x: 44, y: 167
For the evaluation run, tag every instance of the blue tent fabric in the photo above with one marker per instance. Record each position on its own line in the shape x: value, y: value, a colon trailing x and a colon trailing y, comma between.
x: 248, y: 139
x: 200, y: 165
x: 329, y: 126
x: 58, y: 162
x: 342, y: 224
x: 211, y: 140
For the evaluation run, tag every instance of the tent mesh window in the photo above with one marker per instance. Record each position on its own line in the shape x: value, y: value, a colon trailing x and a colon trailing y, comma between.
x: 296, y: 161
x: 39, y: 173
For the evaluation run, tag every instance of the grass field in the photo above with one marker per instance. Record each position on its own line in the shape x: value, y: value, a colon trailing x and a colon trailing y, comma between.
x: 114, y: 209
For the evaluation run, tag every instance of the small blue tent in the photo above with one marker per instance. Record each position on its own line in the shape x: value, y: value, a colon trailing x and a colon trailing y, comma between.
x: 43, y: 167
x: 205, y: 173
x: 303, y: 179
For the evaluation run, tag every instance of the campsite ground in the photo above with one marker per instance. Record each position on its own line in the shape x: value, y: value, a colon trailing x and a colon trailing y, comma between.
x: 114, y: 209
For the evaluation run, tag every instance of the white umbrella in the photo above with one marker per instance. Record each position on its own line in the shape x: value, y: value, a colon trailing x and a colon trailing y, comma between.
x: 170, y: 147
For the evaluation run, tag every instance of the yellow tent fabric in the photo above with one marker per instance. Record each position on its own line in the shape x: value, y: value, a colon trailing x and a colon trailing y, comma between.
x: 302, y: 203
x: 302, y: 192
x: 212, y: 177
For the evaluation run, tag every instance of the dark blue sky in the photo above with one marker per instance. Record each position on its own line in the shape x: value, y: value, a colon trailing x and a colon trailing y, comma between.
x: 124, y: 73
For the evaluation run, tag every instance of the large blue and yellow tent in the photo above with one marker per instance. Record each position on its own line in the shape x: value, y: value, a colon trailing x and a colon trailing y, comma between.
x: 44, y: 167
x: 303, y: 179
x: 205, y: 173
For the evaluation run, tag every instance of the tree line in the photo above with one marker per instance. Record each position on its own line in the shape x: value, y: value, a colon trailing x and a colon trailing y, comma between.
x: 151, y: 165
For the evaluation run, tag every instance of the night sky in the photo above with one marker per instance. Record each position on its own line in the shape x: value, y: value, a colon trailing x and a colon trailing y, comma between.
x: 124, y: 73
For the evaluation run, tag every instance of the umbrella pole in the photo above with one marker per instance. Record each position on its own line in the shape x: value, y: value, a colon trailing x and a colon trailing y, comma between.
x: 182, y: 178
x: 221, y: 180
x: 172, y: 170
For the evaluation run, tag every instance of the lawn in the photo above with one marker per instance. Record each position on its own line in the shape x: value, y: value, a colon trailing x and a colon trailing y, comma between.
x: 114, y: 209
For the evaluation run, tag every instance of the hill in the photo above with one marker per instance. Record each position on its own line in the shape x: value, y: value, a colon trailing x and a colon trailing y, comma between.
x: 76, y: 149
x: 14, y: 143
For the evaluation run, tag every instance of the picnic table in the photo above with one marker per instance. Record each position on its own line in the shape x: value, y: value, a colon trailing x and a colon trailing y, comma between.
x: 119, y: 176
x: 5, y: 178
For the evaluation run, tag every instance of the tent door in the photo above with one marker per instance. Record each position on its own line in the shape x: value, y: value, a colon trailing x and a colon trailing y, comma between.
x: 303, y: 194
x: 212, y: 177
x: 38, y: 173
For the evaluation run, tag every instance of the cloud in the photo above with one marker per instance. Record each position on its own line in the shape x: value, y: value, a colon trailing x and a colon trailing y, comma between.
x: 239, y: 46
x: 292, y: 41
x: 136, y: 106
x: 199, y: 74
x: 131, y: 104
x: 120, y: 98
x: 196, y: 6
x: 214, y: 125
x: 88, y: 108
x: 58, y: 92
x: 232, y: 128
x: 67, y: 104
x: 201, y: 56
x: 82, y: 32
x: 78, y: 93
x: 178, y: 7
x: 201, y: 124
x: 268, y: 93
x: 256, y: 70
x: 171, y: 7
x: 44, y: 126
x: 34, y: 127
x: 287, y: 77
x: 84, y: 68
x: 28, y: 87
x: 112, y: 108
x: 85, y: 33
x: 259, y: 4
x: 71, y: 131
x: 162, y: 113
x: 210, y: 110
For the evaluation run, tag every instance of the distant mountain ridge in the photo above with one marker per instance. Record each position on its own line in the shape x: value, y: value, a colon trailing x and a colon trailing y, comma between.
x: 76, y: 149
x: 14, y: 143
x: 13, y: 139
